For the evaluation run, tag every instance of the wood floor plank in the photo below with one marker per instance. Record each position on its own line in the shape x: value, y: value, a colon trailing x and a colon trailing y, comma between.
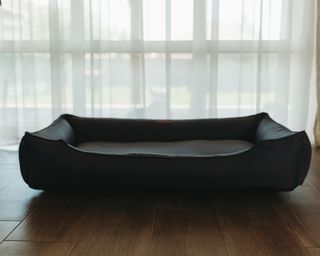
x: 184, y: 200
x: 52, y: 219
x: 314, y: 251
x: 8, y: 173
x: 6, y: 227
x: 186, y: 232
x: 122, y: 228
x: 301, y: 211
x: 247, y: 209
x: 9, y: 157
x: 125, y: 223
x: 17, y: 200
x: 14, y: 248
x: 313, y: 177
x: 261, y: 241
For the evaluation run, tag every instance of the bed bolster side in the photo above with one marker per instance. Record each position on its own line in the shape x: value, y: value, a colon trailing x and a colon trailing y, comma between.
x: 23, y: 159
x: 60, y: 129
x: 268, y: 129
x: 37, y: 150
x: 286, y: 159
x: 37, y: 156
x: 303, y: 156
x: 293, y: 148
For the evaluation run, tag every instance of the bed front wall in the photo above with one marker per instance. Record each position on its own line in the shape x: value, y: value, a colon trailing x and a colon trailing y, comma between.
x: 272, y: 165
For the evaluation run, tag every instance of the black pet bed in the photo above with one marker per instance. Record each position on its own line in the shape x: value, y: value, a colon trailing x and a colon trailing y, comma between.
x: 244, y: 152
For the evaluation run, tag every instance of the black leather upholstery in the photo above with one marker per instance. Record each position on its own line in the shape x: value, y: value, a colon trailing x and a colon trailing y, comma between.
x: 245, y: 152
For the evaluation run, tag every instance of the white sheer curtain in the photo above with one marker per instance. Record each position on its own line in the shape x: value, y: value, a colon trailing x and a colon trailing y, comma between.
x: 153, y: 59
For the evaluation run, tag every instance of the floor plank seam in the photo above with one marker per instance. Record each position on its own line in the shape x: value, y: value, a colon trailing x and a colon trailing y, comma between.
x: 152, y: 229
x: 313, y: 187
x: 9, y: 183
x: 33, y: 241
x: 220, y: 228
x: 73, y: 246
x: 286, y: 226
x: 5, y: 239
x: 297, y: 239
x: 38, y: 241
x: 14, y: 220
x: 29, y: 213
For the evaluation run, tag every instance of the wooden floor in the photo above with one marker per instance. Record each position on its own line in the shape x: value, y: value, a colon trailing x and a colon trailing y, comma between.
x: 157, y: 223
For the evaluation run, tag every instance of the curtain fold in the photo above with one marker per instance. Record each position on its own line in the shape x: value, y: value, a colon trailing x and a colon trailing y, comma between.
x: 154, y: 59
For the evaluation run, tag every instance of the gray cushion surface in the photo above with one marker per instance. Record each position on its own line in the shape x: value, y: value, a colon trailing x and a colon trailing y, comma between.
x: 173, y: 148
